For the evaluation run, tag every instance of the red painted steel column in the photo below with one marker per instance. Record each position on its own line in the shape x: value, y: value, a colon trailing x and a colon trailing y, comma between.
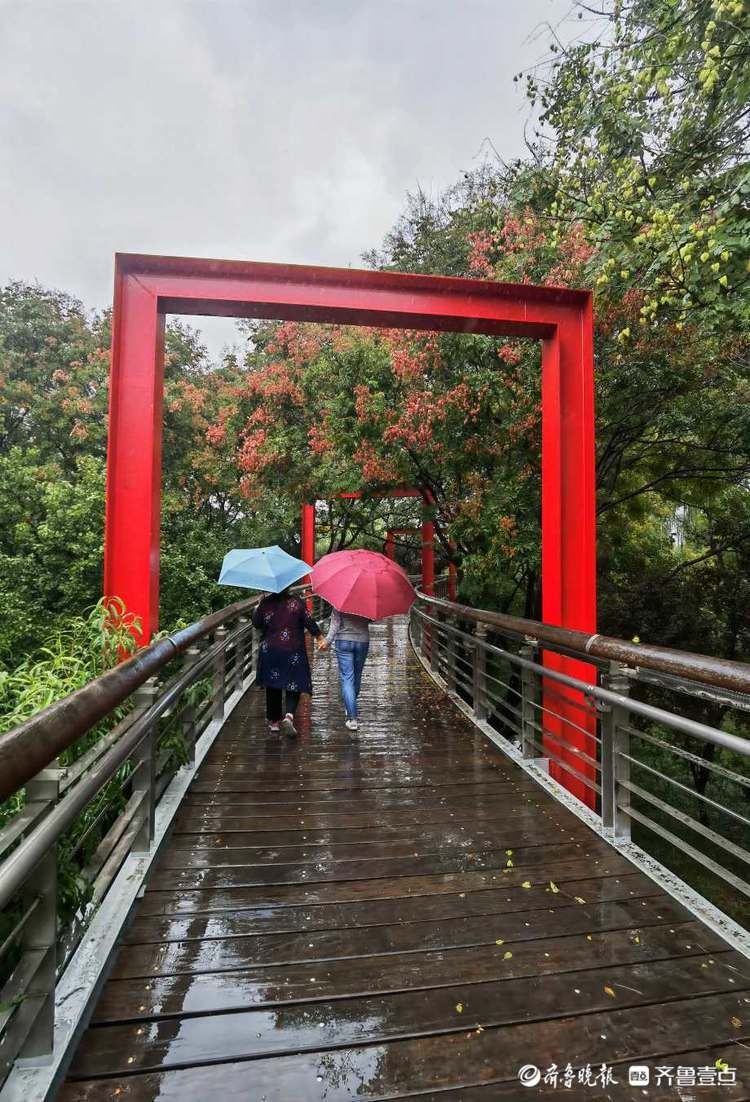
x: 131, y: 543
x: 569, y: 533
x: 307, y: 533
x: 428, y: 556
x: 390, y: 545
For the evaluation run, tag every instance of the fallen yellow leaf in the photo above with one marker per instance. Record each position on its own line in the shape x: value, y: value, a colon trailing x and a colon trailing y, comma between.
x: 507, y: 955
x: 578, y: 899
x: 508, y: 852
x: 509, y: 864
x: 499, y: 941
x: 736, y: 1023
x: 460, y: 1008
x: 554, y: 887
x: 526, y: 884
x: 610, y: 992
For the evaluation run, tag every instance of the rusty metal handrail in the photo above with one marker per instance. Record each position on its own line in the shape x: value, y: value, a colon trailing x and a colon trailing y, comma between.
x: 34, y: 744
x: 718, y: 673
x: 589, y: 737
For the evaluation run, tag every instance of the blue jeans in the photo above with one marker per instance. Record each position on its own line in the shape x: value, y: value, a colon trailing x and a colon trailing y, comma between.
x: 351, y: 658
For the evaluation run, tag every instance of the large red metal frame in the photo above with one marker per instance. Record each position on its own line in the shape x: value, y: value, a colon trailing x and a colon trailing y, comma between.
x: 147, y: 288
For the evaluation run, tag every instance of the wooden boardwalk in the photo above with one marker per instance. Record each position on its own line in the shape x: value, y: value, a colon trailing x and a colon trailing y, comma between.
x: 396, y: 915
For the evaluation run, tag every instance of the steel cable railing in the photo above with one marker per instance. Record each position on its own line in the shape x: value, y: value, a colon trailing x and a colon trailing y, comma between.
x: 656, y: 742
x: 174, y: 691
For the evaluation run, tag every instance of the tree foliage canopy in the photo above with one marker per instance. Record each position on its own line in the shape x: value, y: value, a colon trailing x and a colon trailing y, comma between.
x: 637, y: 184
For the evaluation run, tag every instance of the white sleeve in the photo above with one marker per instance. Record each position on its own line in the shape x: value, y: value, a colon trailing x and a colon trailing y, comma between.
x: 335, y: 625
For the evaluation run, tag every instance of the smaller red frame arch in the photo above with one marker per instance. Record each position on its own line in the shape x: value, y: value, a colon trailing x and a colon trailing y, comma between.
x: 427, y: 528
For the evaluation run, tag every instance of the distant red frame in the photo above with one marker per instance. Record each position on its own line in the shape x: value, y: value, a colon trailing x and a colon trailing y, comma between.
x: 147, y: 288
x: 427, y: 528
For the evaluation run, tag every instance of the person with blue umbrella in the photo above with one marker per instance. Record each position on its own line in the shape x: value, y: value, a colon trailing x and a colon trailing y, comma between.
x: 282, y: 618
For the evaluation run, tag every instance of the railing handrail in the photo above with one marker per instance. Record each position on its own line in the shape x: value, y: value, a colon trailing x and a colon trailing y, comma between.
x: 691, y: 727
x: 714, y: 672
x: 34, y: 744
x: 26, y: 856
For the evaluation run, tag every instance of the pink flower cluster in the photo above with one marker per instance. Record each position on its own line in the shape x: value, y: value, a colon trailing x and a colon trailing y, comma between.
x: 375, y: 468
x: 275, y: 382
x: 481, y: 243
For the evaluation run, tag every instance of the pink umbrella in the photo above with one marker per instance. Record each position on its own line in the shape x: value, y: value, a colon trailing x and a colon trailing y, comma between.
x: 364, y: 583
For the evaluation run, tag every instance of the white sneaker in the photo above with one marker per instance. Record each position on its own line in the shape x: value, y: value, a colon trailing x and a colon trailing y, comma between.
x: 287, y: 724
x: 352, y: 724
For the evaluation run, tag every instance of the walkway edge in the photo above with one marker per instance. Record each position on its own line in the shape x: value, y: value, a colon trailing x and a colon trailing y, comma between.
x: 706, y: 912
x: 79, y: 987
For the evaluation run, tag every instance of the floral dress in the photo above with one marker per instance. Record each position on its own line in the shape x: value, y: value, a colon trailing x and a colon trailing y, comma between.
x: 282, y: 660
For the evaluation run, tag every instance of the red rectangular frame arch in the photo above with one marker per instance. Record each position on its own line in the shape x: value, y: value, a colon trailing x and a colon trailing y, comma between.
x: 427, y: 529
x: 147, y: 288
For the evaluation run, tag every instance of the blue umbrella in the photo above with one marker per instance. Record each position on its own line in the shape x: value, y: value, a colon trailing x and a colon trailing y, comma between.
x: 267, y: 568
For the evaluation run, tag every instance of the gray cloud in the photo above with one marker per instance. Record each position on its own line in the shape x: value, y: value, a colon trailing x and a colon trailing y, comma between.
x: 263, y: 129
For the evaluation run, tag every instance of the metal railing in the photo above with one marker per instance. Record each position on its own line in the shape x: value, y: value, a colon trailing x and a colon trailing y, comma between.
x: 146, y: 715
x: 655, y: 741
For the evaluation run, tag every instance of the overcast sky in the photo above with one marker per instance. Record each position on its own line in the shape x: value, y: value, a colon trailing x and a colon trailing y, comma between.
x: 284, y: 130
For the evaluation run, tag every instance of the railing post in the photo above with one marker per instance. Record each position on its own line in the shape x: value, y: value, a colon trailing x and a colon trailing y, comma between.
x: 615, y: 741
x: 451, y: 647
x: 422, y: 635
x: 254, y: 650
x: 530, y: 693
x: 480, y: 673
x: 435, y: 643
x: 144, y: 770
x: 191, y: 656
x: 220, y: 667
x: 239, y: 655
x: 40, y: 935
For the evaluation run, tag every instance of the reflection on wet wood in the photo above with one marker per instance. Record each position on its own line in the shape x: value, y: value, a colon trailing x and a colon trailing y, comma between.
x: 391, y: 916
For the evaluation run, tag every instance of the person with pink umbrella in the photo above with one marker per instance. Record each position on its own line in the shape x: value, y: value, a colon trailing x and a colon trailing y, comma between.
x: 361, y: 586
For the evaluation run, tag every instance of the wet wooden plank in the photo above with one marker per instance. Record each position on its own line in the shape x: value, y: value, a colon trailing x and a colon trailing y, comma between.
x: 251, y: 1034
x: 512, y: 834
x: 327, y: 916
x: 457, y: 860
x: 156, y: 901
x: 477, y: 798
x: 225, y: 802
x: 368, y: 940
x: 330, y: 886
x: 259, y: 984
x: 388, y: 754
x: 387, y: 1070
x: 369, y: 819
x: 426, y: 846
x: 459, y: 782
x: 288, y: 756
